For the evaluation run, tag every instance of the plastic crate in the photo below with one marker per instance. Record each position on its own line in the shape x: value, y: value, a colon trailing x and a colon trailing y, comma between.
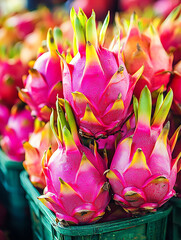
x: 174, y: 224
x: 150, y: 227
x: 12, y: 196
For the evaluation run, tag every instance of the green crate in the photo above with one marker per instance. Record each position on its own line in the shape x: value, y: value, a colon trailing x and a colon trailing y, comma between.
x: 12, y: 196
x: 10, y: 171
x: 174, y: 223
x: 150, y: 227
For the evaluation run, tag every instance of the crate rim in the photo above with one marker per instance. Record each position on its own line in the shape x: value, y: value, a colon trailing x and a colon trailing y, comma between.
x: 95, y: 228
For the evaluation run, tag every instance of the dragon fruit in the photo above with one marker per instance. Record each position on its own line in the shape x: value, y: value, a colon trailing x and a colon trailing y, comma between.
x: 142, y: 173
x: 145, y: 48
x: 77, y: 190
x: 20, y: 125
x: 44, y: 82
x: 11, y: 72
x: 127, y: 5
x: 40, y: 140
x: 170, y: 34
x: 24, y: 23
x: 164, y: 7
x: 100, y: 7
x: 175, y: 85
x: 4, y: 116
x: 96, y: 82
x: 178, y: 180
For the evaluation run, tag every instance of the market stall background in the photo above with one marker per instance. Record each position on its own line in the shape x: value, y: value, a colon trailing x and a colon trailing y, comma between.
x: 52, y: 48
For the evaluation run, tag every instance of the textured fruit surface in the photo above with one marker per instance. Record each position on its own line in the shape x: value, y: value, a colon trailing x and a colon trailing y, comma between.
x: 77, y: 189
x: 96, y: 82
x: 142, y: 173
x: 39, y: 142
x: 44, y: 82
x: 18, y: 129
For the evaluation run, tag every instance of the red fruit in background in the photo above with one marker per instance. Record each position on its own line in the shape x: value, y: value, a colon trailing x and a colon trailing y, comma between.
x: 132, y: 4
x: 44, y: 82
x: 20, y: 125
x: 178, y: 180
x: 164, y: 7
x: 144, y: 48
x: 170, y: 34
x: 101, y: 7
x: 11, y: 72
x: 175, y: 85
x: 4, y: 116
x: 24, y: 23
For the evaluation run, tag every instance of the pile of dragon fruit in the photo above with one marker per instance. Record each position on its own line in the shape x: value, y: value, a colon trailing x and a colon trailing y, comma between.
x: 93, y: 112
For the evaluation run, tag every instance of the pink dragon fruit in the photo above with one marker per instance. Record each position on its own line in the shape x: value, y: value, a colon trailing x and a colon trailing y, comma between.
x: 142, y: 173
x: 178, y: 180
x: 77, y: 190
x: 4, y: 116
x: 44, y: 82
x: 20, y: 125
x: 24, y: 23
x: 101, y: 7
x: 40, y: 140
x: 175, y: 85
x: 164, y: 7
x: 145, y: 48
x: 127, y: 5
x: 170, y: 34
x: 96, y: 82
x: 11, y: 72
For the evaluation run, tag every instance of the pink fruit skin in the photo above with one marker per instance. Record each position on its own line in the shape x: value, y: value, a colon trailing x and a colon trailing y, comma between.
x: 11, y: 73
x: 175, y: 85
x: 154, y: 184
x: 44, y: 82
x: 4, y: 116
x: 96, y: 82
x: 164, y: 7
x: 142, y: 173
x: 77, y: 77
x: 76, y: 187
x: 85, y: 192
x: 101, y: 7
x: 20, y: 125
x: 39, y: 141
x: 24, y: 23
x: 170, y: 37
x: 178, y: 180
x: 147, y: 50
x: 132, y: 4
